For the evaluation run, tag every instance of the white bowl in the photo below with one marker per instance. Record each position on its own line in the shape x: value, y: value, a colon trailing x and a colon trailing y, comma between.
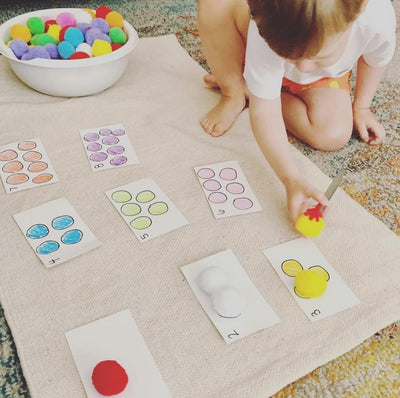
x: 67, y: 78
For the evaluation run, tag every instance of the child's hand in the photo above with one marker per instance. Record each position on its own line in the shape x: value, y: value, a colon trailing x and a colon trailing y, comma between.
x: 298, y: 193
x: 367, y: 126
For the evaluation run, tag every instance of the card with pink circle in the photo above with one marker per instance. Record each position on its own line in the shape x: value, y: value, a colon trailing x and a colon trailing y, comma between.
x: 115, y: 344
x: 227, y: 190
x: 108, y: 147
x: 55, y: 232
x: 24, y: 165
x: 146, y: 209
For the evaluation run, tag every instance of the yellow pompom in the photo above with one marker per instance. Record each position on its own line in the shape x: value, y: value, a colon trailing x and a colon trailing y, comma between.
x: 115, y: 19
x: 91, y: 12
x: 309, y: 227
x: 310, y: 284
x: 20, y: 32
x: 54, y: 32
x: 101, y: 47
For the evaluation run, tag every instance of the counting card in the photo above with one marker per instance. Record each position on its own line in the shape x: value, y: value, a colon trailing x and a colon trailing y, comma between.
x: 56, y: 232
x: 294, y: 257
x: 108, y: 147
x: 146, y: 209
x: 226, y: 188
x: 25, y: 165
x: 113, y: 345
x: 228, y: 296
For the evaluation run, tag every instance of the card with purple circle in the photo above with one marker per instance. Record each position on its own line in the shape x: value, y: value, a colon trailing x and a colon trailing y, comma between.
x: 146, y: 209
x: 55, y: 232
x: 227, y: 190
x: 24, y: 165
x: 108, y: 147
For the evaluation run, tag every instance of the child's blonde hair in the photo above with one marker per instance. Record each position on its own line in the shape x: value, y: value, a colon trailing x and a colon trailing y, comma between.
x: 300, y: 28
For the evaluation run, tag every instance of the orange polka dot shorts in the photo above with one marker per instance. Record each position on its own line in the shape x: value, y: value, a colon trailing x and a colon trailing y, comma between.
x: 342, y: 82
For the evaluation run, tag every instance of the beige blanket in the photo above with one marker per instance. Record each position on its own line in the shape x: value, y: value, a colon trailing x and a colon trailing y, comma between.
x: 159, y: 100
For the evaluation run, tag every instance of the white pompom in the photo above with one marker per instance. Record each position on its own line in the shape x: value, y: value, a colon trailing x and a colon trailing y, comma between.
x: 211, y: 279
x: 228, y: 302
x: 83, y: 16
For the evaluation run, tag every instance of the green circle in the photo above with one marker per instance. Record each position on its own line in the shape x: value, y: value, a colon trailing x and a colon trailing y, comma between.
x: 130, y: 209
x: 141, y: 222
x: 145, y: 196
x: 158, y: 208
x: 117, y: 35
x: 121, y: 196
x: 36, y: 25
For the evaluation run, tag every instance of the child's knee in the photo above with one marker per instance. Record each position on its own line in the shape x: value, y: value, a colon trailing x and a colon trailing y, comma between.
x: 332, y: 138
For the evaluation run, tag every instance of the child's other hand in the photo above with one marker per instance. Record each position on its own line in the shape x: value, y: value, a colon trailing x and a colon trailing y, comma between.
x: 298, y: 193
x: 367, y: 126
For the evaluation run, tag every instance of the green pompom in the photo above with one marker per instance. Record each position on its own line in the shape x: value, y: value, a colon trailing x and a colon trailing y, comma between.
x: 42, y: 39
x: 35, y: 25
x: 117, y: 35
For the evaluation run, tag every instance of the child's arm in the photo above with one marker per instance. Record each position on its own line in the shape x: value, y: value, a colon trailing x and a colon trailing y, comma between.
x: 269, y: 130
x: 368, y: 79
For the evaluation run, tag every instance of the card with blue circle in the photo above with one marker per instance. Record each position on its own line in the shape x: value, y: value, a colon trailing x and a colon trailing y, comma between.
x: 55, y: 232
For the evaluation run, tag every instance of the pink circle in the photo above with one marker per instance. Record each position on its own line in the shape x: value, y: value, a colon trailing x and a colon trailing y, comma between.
x: 110, y: 140
x: 98, y: 156
x: 115, y: 150
x: 243, y: 203
x: 91, y: 137
x: 228, y: 174
x: 211, y: 185
x: 105, y: 132
x: 206, y: 173
x: 217, y: 197
x: 94, y: 147
x: 235, y: 187
x: 118, y: 160
x: 118, y: 132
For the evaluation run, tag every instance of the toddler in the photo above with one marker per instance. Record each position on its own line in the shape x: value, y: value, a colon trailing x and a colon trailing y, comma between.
x: 292, y: 59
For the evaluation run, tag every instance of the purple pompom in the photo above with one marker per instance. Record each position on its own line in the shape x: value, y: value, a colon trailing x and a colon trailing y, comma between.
x: 94, y: 34
x: 52, y: 50
x: 36, y: 52
x: 83, y: 27
x: 19, y: 47
x: 101, y: 24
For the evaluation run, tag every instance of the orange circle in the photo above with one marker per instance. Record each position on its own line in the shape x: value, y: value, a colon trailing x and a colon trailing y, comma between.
x: 15, y: 179
x: 8, y: 154
x: 41, y: 178
x: 12, y: 167
x: 32, y: 156
x: 36, y: 167
x: 26, y: 145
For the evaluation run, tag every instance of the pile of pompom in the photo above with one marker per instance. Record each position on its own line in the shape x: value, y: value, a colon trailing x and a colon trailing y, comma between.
x: 70, y: 35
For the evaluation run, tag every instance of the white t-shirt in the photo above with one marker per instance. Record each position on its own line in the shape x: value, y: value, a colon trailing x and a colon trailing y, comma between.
x: 372, y: 36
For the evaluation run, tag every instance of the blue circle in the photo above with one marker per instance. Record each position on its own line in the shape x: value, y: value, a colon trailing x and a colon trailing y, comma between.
x: 72, y: 237
x: 37, y: 231
x: 62, y: 222
x: 48, y: 247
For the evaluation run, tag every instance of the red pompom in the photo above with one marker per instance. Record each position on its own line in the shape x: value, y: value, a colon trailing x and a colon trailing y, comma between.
x: 115, y: 46
x: 109, y: 378
x: 102, y: 11
x: 48, y: 23
x: 79, y: 55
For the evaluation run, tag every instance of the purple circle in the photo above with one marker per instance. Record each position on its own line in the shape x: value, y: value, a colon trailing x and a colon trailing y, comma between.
x: 105, y: 132
x: 211, y: 185
x: 115, y: 150
x: 94, y: 147
x: 91, y: 137
x: 110, y: 140
x: 228, y: 174
x: 206, y: 173
x: 217, y: 197
x: 235, y: 187
x: 243, y: 203
x: 98, y: 156
x: 118, y: 160
x: 118, y: 132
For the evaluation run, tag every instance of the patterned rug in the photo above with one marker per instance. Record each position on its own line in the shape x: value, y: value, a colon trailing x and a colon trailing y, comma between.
x: 370, y: 370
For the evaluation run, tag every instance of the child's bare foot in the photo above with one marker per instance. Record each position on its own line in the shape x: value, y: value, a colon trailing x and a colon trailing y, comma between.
x: 219, y: 119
